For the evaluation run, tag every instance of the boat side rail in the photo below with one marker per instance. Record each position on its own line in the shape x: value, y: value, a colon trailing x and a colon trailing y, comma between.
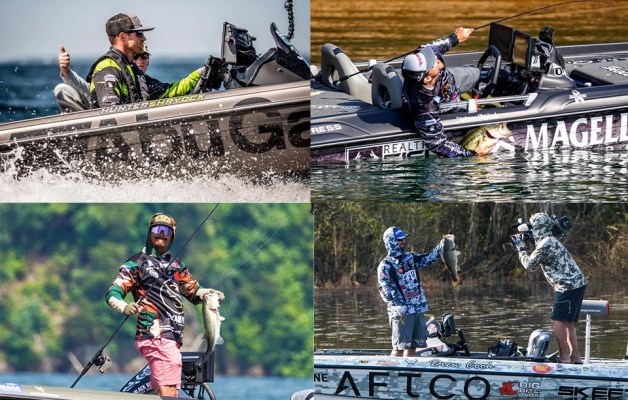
x: 472, y: 105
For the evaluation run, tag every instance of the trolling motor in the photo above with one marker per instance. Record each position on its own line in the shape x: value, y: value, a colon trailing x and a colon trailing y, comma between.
x: 538, y: 343
x: 559, y: 229
x: 438, y: 331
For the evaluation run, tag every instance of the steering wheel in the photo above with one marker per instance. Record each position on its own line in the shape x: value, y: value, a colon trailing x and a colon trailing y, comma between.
x: 493, y: 72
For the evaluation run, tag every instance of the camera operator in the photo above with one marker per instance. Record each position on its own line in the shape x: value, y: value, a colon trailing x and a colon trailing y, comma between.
x: 562, y: 272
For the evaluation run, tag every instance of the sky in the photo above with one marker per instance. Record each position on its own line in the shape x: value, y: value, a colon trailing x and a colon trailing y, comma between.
x: 34, y: 29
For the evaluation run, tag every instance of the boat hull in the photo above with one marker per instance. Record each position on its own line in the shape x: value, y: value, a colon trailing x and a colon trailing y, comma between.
x: 593, y: 116
x: 257, y: 132
x: 386, y: 377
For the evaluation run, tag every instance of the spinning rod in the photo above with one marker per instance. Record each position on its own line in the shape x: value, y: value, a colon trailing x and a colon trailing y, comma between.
x: 98, y: 358
x: 344, y: 78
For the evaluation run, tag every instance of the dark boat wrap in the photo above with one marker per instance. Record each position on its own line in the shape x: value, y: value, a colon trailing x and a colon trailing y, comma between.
x: 592, y: 116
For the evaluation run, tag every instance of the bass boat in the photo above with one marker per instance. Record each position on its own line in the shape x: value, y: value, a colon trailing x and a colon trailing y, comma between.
x: 531, y: 96
x: 449, y: 370
x: 197, y: 373
x: 259, y: 127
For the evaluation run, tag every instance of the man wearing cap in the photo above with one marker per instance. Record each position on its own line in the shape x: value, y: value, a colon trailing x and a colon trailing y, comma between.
x: 115, y: 79
x: 568, y: 281
x: 158, y: 278
x: 427, y: 83
x: 401, y: 289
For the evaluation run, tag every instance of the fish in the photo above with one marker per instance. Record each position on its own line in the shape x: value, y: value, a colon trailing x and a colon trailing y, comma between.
x: 212, y: 320
x: 450, y: 258
x: 483, y: 139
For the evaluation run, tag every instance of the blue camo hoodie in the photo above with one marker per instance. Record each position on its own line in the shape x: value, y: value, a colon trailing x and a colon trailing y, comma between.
x: 403, y: 267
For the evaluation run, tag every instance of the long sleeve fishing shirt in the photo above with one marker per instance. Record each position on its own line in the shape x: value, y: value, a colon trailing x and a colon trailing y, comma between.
x: 400, y: 283
x: 423, y: 104
x: 162, y: 279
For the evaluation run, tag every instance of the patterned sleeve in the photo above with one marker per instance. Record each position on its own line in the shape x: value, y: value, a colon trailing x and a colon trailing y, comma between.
x: 423, y: 260
x: 188, y: 286
x: 124, y: 282
x: 533, y: 261
x: 443, y: 44
x: 387, y: 287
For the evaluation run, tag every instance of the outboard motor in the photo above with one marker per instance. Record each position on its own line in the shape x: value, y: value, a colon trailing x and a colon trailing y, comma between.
x: 538, y: 343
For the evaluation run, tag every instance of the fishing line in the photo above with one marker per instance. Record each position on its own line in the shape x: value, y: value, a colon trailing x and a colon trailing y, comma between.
x: 238, y: 266
x: 98, y: 358
x: 344, y: 78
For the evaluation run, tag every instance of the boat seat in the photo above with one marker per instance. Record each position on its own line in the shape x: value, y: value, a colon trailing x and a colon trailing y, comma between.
x: 335, y: 64
x: 70, y: 99
x: 386, y: 87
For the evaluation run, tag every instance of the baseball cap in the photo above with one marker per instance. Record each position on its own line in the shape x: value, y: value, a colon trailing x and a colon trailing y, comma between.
x: 125, y: 22
x: 399, y: 234
x: 415, y: 65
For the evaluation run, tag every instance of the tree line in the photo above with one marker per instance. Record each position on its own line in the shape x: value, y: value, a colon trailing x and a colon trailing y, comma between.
x: 349, y: 246
x: 59, y: 260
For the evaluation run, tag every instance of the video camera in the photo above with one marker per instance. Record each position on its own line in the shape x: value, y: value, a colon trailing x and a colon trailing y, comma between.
x: 559, y: 229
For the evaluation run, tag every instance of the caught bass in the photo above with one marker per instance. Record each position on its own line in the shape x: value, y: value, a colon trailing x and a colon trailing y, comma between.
x: 450, y: 258
x: 212, y: 319
x: 483, y: 139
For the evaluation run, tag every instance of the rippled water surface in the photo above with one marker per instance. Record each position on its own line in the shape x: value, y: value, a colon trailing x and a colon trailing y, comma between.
x: 564, y: 176
x: 356, y: 318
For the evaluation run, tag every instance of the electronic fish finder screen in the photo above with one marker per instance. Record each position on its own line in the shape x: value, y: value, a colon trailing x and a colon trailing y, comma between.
x: 501, y: 36
x: 523, y: 51
x: 228, y: 50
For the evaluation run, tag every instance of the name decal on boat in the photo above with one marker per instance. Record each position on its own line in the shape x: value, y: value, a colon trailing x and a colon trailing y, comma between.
x: 617, y: 70
x: 152, y: 103
x: 575, y: 392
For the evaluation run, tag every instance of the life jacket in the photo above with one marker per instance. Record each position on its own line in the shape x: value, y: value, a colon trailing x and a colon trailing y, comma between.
x: 135, y: 81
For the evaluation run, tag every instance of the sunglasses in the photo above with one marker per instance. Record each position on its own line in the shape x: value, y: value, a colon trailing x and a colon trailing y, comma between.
x: 144, y: 56
x: 161, y: 229
x: 139, y: 34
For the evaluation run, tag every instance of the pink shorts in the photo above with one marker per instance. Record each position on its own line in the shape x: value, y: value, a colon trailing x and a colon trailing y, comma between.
x: 164, y: 360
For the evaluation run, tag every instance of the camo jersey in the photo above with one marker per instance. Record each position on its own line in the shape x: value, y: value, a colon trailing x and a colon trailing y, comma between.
x: 162, y: 316
x: 423, y: 104
x: 398, y: 277
x: 559, y: 267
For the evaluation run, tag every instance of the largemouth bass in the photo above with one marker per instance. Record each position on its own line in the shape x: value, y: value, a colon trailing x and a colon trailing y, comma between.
x: 484, y: 138
x: 450, y: 258
x: 212, y: 320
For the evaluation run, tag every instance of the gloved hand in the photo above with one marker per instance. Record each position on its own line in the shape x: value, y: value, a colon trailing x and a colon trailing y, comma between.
x: 132, y: 308
x: 204, y: 292
x: 400, y: 310
x: 519, y: 243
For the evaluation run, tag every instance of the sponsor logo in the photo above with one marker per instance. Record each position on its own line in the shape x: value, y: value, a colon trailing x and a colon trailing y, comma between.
x: 389, y: 363
x: 521, y: 389
x: 477, y: 117
x: 577, y: 96
x: 617, y: 70
x: 326, y: 128
x: 541, y: 369
x: 10, y: 388
x: 577, y: 392
x: 509, y: 388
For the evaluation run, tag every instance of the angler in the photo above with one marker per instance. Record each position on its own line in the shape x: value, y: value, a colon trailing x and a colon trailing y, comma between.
x: 157, y: 279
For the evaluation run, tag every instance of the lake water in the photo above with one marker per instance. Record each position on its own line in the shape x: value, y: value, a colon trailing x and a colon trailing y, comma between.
x: 356, y: 318
x: 26, y: 92
x: 382, y: 29
x: 224, y: 387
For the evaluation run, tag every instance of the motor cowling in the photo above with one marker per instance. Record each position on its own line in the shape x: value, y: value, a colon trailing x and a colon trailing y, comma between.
x: 538, y: 343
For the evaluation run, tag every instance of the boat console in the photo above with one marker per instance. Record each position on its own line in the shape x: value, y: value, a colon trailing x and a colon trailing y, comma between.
x: 522, y: 63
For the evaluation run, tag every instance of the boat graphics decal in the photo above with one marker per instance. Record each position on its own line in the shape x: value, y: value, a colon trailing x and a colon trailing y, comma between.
x: 151, y: 104
x: 270, y: 139
x: 395, y: 384
x: 608, y: 131
x: 10, y: 388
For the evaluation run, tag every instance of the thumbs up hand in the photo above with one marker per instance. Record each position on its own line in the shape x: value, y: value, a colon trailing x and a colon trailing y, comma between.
x: 64, y: 61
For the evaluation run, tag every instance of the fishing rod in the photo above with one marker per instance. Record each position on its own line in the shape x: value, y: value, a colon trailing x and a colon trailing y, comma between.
x: 98, y: 359
x: 238, y: 266
x: 344, y: 78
